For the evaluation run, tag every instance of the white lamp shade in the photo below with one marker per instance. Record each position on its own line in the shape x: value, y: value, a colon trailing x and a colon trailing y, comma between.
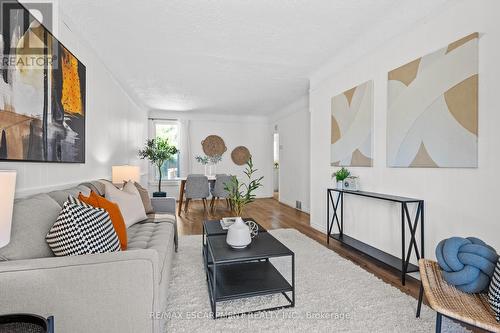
x: 121, y: 173
x: 8, y: 187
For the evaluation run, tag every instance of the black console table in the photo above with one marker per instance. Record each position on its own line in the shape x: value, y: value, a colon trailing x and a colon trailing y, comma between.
x: 402, y: 264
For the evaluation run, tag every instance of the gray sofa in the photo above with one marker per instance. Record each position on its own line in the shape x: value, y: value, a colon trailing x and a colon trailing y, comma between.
x: 111, y: 292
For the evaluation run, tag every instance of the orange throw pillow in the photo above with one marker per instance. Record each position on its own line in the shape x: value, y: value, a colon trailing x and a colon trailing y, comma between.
x: 90, y: 200
x: 114, y: 212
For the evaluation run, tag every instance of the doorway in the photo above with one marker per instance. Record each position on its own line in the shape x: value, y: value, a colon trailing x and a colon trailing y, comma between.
x: 276, y: 167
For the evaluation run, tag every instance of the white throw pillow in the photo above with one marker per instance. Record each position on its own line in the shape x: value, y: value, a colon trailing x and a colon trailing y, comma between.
x: 129, y: 200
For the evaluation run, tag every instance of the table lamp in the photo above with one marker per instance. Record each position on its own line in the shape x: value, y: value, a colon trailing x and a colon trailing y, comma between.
x: 8, y: 186
x: 124, y: 173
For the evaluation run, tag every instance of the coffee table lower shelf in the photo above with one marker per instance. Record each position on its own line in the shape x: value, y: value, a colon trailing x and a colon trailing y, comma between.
x: 243, y: 280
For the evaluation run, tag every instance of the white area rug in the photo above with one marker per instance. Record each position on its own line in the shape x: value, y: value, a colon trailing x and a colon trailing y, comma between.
x: 332, y: 295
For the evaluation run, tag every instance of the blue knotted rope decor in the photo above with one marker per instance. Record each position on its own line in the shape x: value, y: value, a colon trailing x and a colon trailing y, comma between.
x: 467, y: 263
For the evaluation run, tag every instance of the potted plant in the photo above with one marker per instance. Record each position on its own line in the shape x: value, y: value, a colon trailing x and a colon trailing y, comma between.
x: 340, y: 176
x: 209, y: 161
x: 158, y: 151
x: 240, y: 193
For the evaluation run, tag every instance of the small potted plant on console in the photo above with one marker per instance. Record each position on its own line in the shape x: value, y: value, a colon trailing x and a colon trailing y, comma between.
x: 340, y: 176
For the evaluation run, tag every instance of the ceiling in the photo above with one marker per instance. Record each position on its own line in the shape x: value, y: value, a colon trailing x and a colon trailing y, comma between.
x: 230, y: 56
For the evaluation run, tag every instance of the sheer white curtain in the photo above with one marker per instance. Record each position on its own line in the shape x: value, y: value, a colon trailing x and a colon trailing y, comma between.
x: 152, y: 169
x: 184, y: 148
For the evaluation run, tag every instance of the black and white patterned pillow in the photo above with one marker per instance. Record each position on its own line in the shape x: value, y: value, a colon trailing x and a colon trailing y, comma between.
x: 82, y: 229
x: 494, y: 292
x: 75, y: 201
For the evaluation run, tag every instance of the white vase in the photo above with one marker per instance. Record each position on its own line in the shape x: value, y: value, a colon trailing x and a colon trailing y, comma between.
x: 210, y: 170
x: 239, y: 235
x: 340, y: 185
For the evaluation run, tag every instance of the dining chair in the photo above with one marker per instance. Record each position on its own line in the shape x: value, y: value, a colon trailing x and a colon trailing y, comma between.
x: 219, y: 190
x: 196, y: 188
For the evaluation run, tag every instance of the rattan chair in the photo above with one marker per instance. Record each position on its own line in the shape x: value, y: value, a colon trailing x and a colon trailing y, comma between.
x: 448, y: 301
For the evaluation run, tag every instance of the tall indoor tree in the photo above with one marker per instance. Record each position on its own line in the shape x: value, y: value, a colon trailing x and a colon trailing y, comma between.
x: 158, y: 151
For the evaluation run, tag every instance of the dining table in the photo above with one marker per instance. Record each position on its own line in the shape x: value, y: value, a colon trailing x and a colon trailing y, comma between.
x: 182, y: 187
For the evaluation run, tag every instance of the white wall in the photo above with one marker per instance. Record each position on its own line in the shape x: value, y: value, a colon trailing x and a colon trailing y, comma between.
x: 115, y: 129
x: 252, y: 132
x: 293, y: 128
x: 459, y: 202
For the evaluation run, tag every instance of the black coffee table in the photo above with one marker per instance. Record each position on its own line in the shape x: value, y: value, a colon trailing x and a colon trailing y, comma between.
x: 242, y: 273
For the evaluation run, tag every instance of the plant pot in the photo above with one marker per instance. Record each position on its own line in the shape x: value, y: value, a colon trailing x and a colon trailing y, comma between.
x: 340, y: 185
x: 159, y: 194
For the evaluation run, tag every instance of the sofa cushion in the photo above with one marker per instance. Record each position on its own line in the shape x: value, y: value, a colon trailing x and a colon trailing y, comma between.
x: 96, y: 186
x: 168, y: 218
x: 32, y: 219
x: 82, y: 229
x: 61, y: 196
x: 129, y: 201
x: 151, y: 235
x: 494, y: 292
x: 114, y: 212
x: 161, y: 217
x: 146, y: 200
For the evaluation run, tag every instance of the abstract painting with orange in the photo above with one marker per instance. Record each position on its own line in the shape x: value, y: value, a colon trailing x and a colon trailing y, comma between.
x: 71, y: 94
x: 42, y: 107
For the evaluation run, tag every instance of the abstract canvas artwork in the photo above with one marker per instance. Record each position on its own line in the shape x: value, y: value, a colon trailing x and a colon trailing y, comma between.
x: 352, y: 127
x: 42, y: 95
x: 432, y: 116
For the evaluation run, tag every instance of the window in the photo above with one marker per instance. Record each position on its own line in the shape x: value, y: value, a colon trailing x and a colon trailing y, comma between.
x: 168, y: 130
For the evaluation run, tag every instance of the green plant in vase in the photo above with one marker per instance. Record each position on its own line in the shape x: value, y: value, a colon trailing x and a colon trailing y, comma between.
x: 341, y: 175
x: 243, y: 193
x: 158, y: 151
x: 215, y: 159
x: 209, y: 161
x: 203, y: 160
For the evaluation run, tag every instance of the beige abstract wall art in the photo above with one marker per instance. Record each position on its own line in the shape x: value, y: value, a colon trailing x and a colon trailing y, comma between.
x: 432, y: 116
x: 352, y: 127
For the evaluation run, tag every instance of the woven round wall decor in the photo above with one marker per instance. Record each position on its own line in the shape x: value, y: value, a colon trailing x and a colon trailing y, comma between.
x: 213, y: 145
x: 240, y: 155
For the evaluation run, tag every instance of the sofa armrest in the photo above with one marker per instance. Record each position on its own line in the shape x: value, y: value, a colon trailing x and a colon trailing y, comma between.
x: 111, y: 292
x: 164, y: 205
x: 167, y: 205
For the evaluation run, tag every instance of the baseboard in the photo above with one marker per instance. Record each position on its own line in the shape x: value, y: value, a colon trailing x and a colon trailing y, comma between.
x: 305, y: 211
x: 321, y: 228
